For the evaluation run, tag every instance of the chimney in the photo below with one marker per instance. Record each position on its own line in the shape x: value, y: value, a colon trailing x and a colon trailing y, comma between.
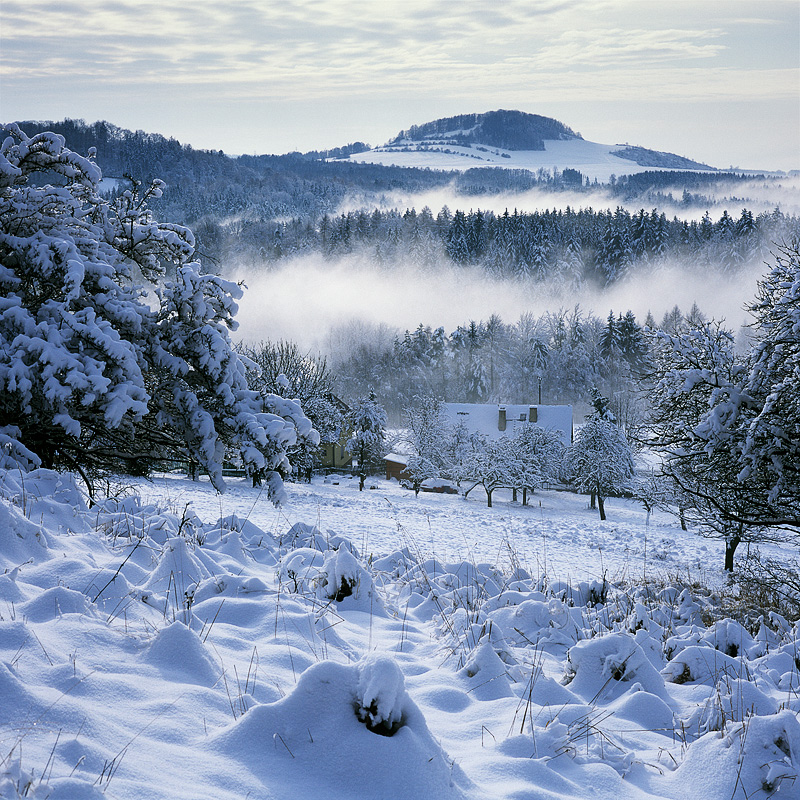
x: 533, y: 414
x: 501, y: 419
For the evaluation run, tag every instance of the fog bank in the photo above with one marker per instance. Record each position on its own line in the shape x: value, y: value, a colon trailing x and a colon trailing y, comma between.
x: 306, y: 297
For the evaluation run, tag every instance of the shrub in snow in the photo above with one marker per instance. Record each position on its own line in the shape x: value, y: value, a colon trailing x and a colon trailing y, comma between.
x: 380, y: 694
x: 729, y: 637
x: 341, y: 575
x: 303, y: 535
x: 300, y: 570
x: 317, y: 741
x: 733, y: 700
x: 536, y: 622
x: 697, y: 664
x: 96, y: 373
x: 607, y: 666
x: 332, y: 575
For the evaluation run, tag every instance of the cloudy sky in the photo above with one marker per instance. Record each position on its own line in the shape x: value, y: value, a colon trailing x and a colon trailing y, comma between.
x: 715, y: 80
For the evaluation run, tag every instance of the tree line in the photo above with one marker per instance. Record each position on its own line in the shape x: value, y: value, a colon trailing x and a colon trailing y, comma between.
x: 558, y: 357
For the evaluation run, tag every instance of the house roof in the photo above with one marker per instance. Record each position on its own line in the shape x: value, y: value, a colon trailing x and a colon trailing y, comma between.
x: 485, y: 418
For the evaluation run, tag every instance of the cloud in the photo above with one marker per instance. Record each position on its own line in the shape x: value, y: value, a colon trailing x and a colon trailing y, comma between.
x: 269, y: 76
x: 272, y: 49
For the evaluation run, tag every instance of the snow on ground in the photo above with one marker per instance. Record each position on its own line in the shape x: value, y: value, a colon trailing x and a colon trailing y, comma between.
x: 593, y: 159
x: 556, y: 534
x: 174, y: 643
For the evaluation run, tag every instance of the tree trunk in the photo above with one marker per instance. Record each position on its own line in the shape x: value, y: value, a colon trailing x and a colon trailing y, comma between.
x: 524, y: 496
x: 593, y: 500
x: 514, y: 495
x: 489, y: 497
x: 730, y: 549
x: 602, y: 506
x: 682, y: 518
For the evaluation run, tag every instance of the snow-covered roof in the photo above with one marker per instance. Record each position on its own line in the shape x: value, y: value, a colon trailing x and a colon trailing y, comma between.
x: 485, y: 418
x: 397, y: 458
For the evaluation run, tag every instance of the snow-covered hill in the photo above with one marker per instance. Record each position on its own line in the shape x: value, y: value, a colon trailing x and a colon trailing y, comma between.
x: 513, y: 140
x: 174, y: 643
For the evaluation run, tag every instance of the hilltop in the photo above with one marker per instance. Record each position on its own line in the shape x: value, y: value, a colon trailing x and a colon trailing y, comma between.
x: 517, y: 140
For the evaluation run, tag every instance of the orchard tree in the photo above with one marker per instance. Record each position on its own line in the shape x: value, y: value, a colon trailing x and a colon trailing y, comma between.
x: 600, y: 461
x: 428, y: 436
x: 697, y: 382
x: 367, y: 420
x: 114, y: 347
x: 490, y: 464
x: 537, y: 456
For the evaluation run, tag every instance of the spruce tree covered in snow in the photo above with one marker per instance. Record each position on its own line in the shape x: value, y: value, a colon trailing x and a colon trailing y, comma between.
x: 99, y: 369
x: 600, y: 460
x: 367, y: 420
x: 771, y: 420
x: 736, y: 450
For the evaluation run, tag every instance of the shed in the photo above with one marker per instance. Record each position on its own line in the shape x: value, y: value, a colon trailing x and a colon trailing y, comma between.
x: 395, y: 466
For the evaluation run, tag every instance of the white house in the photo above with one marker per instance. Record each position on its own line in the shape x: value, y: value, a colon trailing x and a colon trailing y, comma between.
x: 494, y: 420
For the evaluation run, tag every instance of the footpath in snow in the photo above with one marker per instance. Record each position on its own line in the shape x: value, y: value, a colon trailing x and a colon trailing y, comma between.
x: 172, y: 642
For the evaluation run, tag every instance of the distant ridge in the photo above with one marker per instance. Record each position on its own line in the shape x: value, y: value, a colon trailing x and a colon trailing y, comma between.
x: 510, y: 130
x: 518, y: 140
x: 655, y: 158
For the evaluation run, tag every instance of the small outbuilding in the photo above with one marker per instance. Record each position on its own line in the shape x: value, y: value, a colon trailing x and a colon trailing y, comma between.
x: 396, y: 467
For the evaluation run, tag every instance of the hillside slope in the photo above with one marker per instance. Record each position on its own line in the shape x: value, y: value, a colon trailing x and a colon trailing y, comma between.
x: 515, y: 140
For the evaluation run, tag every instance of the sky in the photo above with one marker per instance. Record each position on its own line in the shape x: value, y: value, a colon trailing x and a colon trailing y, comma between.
x: 714, y: 80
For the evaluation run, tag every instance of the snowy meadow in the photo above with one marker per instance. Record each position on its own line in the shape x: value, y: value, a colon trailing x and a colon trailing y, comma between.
x: 173, y: 642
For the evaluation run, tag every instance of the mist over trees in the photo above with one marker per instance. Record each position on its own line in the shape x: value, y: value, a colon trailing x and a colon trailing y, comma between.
x: 95, y: 377
x: 558, y: 357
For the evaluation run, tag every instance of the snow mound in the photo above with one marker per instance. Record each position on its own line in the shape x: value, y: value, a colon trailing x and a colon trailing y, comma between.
x: 317, y: 741
x: 601, y: 669
x: 178, y: 652
x: 757, y: 758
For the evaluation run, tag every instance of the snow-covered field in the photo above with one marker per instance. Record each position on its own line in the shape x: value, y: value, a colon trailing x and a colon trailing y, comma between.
x: 175, y: 643
x: 594, y: 160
